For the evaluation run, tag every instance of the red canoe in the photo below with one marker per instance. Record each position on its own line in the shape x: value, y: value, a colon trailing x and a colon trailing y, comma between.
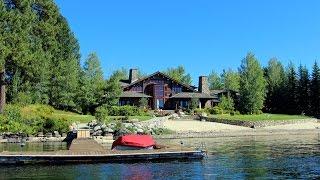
x: 128, y: 142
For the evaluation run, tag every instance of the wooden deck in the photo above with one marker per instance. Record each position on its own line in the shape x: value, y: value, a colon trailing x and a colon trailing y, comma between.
x: 89, y: 151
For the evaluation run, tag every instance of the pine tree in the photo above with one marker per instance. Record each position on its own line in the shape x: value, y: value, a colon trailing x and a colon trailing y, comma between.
x: 179, y: 74
x: 275, y: 77
x: 315, y: 90
x: 303, y: 95
x: 252, y: 85
x: 36, y: 42
x: 291, y: 90
x: 92, y: 84
x: 231, y: 80
x: 215, y: 81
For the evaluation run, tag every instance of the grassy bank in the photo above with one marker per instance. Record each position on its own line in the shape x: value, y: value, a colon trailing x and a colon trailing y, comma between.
x: 261, y: 117
x: 74, y: 117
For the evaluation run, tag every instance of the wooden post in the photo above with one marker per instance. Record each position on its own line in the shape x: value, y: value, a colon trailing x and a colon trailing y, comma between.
x: 2, y: 90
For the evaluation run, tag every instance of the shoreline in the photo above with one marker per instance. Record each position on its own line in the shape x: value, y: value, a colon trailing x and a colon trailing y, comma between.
x: 240, y: 133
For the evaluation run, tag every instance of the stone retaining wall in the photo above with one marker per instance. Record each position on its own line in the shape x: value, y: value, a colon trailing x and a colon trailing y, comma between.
x: 257, y: 124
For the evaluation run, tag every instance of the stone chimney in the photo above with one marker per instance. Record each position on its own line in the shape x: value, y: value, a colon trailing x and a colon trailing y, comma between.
x: 133, y: 75
x: 203, y: 85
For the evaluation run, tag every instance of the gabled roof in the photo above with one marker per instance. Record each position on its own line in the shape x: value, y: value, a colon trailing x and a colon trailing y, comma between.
x: 162, y: 74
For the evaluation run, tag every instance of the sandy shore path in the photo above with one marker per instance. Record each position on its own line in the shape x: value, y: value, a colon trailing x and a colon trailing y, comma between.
x: 198, y: 126
x: 299, y: 126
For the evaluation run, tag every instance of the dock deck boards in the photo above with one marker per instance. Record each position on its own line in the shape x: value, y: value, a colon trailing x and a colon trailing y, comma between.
x: 88, y: 150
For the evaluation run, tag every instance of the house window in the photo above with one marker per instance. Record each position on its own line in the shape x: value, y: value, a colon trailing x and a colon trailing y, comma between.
x: 183, y: 103
x: 176, y: 89
x: 160, y: 103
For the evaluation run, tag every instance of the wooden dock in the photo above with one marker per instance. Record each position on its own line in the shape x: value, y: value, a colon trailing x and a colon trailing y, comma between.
x: 89, y: 151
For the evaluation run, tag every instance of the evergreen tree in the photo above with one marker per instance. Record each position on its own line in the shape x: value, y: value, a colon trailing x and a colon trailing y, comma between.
x: 303, y: 95
x: 92, y: 84
x: 275, y: 77
x: 291, y: 90
x: 252, y: 85
x: 112, y: 90
x: 38, y: 46
x: 179, y: 74
x: 315, y: 90
x: 215, y: 81
x: 231, y: 80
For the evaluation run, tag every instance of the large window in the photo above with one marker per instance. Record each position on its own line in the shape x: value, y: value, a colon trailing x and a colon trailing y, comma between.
x: 159, y: 91
x: 176, y: 89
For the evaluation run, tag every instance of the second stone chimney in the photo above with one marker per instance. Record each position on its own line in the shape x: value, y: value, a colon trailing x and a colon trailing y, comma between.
x: 133, y: 75
x: 203, y: 85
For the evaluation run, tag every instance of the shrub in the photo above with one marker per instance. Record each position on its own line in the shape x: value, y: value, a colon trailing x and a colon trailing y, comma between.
x: 55, y: 124
x: 215, y: 110
x: 226, y: 104
x: 31, y: 119
x: 194, y: 103
x: 143, y: 103
x: 199, y: 111
x: 103, y: 111
x: 22, y: 98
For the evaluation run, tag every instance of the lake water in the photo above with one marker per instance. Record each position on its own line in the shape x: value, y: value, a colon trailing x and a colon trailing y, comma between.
x: 232, y: 158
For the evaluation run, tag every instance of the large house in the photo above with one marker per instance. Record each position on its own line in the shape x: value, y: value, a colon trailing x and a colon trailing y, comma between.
x: 164, y: 92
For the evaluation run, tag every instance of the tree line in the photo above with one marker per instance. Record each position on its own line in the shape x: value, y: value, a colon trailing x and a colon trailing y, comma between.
x: 40, y: 63
x: 274, y: 88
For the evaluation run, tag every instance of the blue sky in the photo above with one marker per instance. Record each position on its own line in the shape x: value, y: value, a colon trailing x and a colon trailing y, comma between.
x: 202, y: 35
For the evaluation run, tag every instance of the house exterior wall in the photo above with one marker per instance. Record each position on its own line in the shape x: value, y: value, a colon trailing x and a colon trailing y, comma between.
x: 160, y: 88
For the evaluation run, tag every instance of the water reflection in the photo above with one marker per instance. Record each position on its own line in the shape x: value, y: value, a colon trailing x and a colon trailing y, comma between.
x: 37, y: 146
x: 236, y: 158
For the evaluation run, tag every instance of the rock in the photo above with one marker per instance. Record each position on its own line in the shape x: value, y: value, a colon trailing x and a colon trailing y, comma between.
x: 40, y: 134
x: 103, y: 126
x: 204, y: 114
x: 48, y: 135
x: 96, y: 128
x: 56, y: 134
x: 97, y: 133
x: 140, y: 130
x: 109, y: 130
x: 181, y: 113
x: 138, y: 126
x: 175, y: 115
x: 64, y: 134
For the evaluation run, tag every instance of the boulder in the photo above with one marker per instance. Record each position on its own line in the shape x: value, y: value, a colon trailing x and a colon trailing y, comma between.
x: 56, y: 134
x: 48, y: 135
x: 97, y: 133
x: 103, y: 126
x: 109, y: 130
x: 96, y: 128
x: 175, y: 115
x: 140, y: 130
x: 40, y: 134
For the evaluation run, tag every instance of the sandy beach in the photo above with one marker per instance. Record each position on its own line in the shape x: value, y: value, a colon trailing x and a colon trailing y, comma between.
x: 193, y: 128
x: 199, y: 126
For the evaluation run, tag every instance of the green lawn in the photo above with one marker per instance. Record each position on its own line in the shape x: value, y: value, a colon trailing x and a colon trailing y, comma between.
x: 73, y: 116
x: 261, y: 117
x: 87, y: 118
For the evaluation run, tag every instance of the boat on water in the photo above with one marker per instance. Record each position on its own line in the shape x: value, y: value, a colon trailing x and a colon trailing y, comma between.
x: 134, y: 142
